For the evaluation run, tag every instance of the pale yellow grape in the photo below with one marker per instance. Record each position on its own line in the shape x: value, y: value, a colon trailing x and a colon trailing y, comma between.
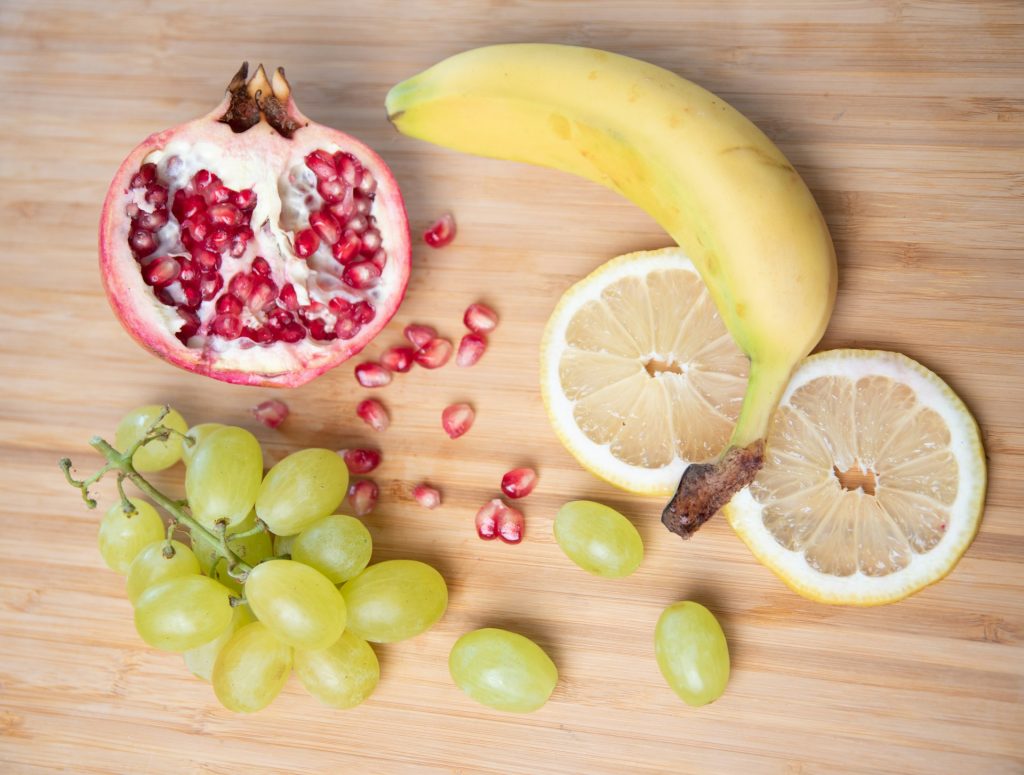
x: 251, y: 669
x: 156, y: 455
x: 338, y: 546
x: 300, y: 489
x: 598, y: 539
x: 152, y: 566
x: 502, y: 670
x: 224, y: 477
x: 251, y: 550
x: 297, y: 603
x: 197, y: 433
x: 123, y: 535
x: 394, y: 600
x: 182, y: 613
x: 692, y: 653
x: 341, y: 675
x: 201, y: 659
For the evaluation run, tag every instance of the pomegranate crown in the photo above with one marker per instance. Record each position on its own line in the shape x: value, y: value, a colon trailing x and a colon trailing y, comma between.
x: 257, y: 99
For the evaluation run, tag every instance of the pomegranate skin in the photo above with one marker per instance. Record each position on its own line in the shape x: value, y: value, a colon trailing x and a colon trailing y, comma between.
x: 282, y: 364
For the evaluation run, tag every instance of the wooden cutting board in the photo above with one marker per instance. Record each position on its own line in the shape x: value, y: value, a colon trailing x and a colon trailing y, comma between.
x: 907, y: 121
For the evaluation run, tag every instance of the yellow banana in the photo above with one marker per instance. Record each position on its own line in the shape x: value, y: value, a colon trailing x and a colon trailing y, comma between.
x: 711, y: 178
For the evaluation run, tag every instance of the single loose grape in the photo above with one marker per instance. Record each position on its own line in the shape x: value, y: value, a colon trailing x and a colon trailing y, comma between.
x: 297, y: 603
x: 394, y: 600
x: 224, y: 476
x: 338, y: 546
x: 201, y: 659
x: 123, y: 535
x: 156, y: 455
x: 153, y: 565
x: 251, y: 669
x: 197, y: 433
x: 502, y: 670
x: 182, y: 613
x: 341, y: 675
x: 598, y: 539
x: 252, y: 549
x: 300, y: 489
x: 692, y: 652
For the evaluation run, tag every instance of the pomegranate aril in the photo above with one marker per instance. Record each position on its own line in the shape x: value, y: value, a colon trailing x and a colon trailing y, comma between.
x: 264, y: 292
x: 347, y: 247
x: 322, y: 164
x: 362, y: 496
x: 271, y: 413
x: 345, y: 208
x: 189, y: 272
x: 278, y: 318
x: 372, y: 375
x: 362, y: 203
x: 197, y: 229
x: 206, y: 260
x: 156, y: 195
x: 260, y: 266
x: 339, y: 306
x: 371, y: 242
x: 519, y: 482
x: 471, y: 349
x: 441, y: 232
x: 239, y: 240
x: 361, y: 275
x: 152, y: 221
x: 318, y: 330
x: 292, y: 333
x: 145, y: 176
x: 368, y: 184
x: 210, y: 285
x: 224, y: 215
x: 346, y: 328
x: 186, y: 207
x: 326, y: 226
x: 218, y: 194
x: 426, y: 496
x: 161, y: 271
x: 457, y: 419
x: 358, y: 224
x: 228, y: 305
x: 361, y: 461
x: 362, y: 312
x: 398, y: 359
x: 165, y: 297
x: 241, y: 285
x: 244, y: 199
x: 258, y: 334
x: 190, y: 327
x: 487, y: 519
x: 480, y: 319
x: 374, y: 414
x: 510, y: 524
x: 288, y: 297
x: 306, y: 243
x: 349, y: 168
x: 217, y: 240
x: 419, y: 335
x: 227, y: 326
x: 379, y: 259
x: 332, y: 191
x: 141, y: 242
x: 434, y: 354
x: 193, y: 296
x: 203, y: 180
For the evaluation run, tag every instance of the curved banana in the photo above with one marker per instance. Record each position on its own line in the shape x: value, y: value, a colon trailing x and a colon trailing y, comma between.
x: 710, y: 177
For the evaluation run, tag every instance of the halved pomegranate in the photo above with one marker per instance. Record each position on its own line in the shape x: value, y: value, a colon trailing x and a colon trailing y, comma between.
x: 252, y: 245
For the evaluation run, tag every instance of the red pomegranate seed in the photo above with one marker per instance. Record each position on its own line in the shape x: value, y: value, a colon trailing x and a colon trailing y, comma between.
x: 373, y: 414
x: 339, y: 306
x: 322, y: 164
x: 371, y: 242
x: 203, y: 180
x: 239, y: 240
x: 318, y: 330
x: 441, y: 232
x: 372, y: 375
x: 480, y: 319
x: 361, y: 275
x: 419, y: 335
x: 362, y: 203
x: 426, y: 496
x: 379, y: 259
x: 457, y: 419
x: 292, y: 333
x: 471, y: 349
x: 278, y: 318
x: 260, y: 267
x: 368, y: 185
x: 228, y: 305
x: 156, y: 195
x: 218, y: 240
x: 361, y: 461
x: 288, y: 297
x: 345, y: 208
x: 193, y: 296
x: 161, y: 271
x: 398, y: 359
x: 224, y: 214
x: 227, y: 326
x: 141, y: 242
x: 349, y: 168
x: 306, y: 243
x: 210, y: 285
x: 487, y: 519
x: 190, y: 327
x: 206, y: 259
x: 145, y: 176
x: 152, y: 221
x: 510, y: 524
x: 326, y: 226
x: 218, y: 194
x: 333, y: 191
x: 347, y: 247
x: 197, y: 229
x: 362, y: 312
x: 346, y: 328
x: 519, y: 482
x: 189, y: 272
x: 358, y: 224
x: 245, y: 199
x: 271, y: 413
x: 264, y: 292
x: 434, y: 354
x: 362, y: 496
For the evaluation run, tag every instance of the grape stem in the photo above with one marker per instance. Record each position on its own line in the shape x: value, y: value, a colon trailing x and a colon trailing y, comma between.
x: 178, y: 510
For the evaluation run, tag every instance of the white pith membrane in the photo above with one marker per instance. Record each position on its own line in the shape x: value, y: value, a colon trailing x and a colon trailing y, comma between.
x: 640, y: 376
x: 897, y: 427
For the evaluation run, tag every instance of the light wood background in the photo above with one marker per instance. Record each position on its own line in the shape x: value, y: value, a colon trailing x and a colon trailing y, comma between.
x: 907, y: 120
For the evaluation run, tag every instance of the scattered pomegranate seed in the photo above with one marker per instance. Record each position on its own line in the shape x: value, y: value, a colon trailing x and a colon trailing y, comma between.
x: 361, y: 461
x: 373, y: 414
x: 306, y: 243
x: 457, y: 419
x: 441, y: 232
x: 519, y: 482
x: 419, y: 335
x: 511, y: 524
x: 372, y: 375
x: 398, y: 359
x: 271, y: 413
x: 434, y: 354
x: 362, y: 496
x: 487, y: 519
x: 426, y: 496
x: 480, y: 319
x: 471, y: 349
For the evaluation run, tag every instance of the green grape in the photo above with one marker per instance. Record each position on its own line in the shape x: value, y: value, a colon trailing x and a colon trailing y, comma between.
x: 298, y: 604
x: 156, y: 455
x: 394, y: 600
x: 201, y: 659
x: 122, y: 536
x: 224, y: 477
x: 692, y: 652
x: 151, y: 566
x: 502, y: 670
x: 341, y: 675
x: 197, y: 433
x: 598, y: 539
x: 251, y: 669
x: 300, y: 489
x: 337, y: 546
x: 251, y: 550
x: 182, y: 613
x: 283, y: 544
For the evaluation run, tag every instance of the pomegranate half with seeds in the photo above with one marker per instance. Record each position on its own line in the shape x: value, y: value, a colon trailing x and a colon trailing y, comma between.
x: 252, y: 245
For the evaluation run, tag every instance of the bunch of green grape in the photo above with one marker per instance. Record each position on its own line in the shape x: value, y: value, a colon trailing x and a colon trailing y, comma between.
x: 244, y: 615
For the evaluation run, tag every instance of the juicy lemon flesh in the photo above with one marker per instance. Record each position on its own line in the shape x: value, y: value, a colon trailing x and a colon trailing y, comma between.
x: 652, y: 371
x: 873, y: 426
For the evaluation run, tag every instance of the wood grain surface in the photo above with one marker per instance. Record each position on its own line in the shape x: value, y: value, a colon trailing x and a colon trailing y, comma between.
x: 906, y: 119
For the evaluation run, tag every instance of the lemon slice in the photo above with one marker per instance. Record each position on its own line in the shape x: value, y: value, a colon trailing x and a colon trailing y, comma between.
x: 638, y: 373
x: 873, y: 483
